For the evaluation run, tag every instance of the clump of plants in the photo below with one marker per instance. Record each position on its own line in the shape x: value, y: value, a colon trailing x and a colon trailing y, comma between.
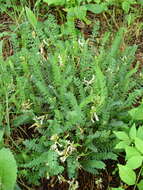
x: 131, y: 141
x: 63, y: 97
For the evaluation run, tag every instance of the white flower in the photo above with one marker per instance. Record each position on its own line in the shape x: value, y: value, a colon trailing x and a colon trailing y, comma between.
x: 96, y: 117
x: 54, y: 137
x: 63, y: 159
x: 54, y: 147
x: 48, y: 176
x: 60, y: 60
x: 81, y: 42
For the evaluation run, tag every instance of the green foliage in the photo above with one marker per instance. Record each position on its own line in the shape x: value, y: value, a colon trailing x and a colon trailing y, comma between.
x: 95, y: 6
x: 140, y: 185
x: 31, y: 17
x: 134, y: 156
x: 127, y: 174
x: 137, y: 113
x: 70, y: 94
x: 8, y: 170
x: 77, y: 97
x: 14, y: 94
x: 71, y: 7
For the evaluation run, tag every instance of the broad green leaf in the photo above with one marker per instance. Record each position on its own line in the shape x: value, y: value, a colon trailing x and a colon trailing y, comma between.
x: 116, y: 43
x: 8, y: 169
x: 135, y: 162
x: 121, y: 135
x: 131, y: 151
x: 55, y: 2
x: 118, y: 188
x: 132, y: 132
x: 127, y: 175
x: 140, y: 185
x: 139, y: 144
x: 31, y: 17
x: 96, y: 8
x: 122, y: 145
x: 137, y: 113
x: 126, y: 6
x: 140, y: 132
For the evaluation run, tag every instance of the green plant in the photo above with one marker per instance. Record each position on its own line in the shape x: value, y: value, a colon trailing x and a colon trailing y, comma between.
x: 71, y: 95
x: 78, y: 10
x: 8, y: 167
x: 8, y: 170
x: 137, y: 113
x: 78, y: 97
x: 69, y: 11
x: 132, y: 143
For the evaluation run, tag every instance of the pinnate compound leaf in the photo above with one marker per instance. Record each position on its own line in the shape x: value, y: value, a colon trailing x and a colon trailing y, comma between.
x: 93, y: 164
x: 139, y: 144
x: 77, y: 12
x: 135, y: 162
x: 127, y: 175
x: 31, y: 17
x: 8, y: 169
x: 23, y: 119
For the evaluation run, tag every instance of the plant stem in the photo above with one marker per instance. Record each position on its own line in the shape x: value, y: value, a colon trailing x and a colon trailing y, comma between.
x: 7, y: 116
x: 138, y: 178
